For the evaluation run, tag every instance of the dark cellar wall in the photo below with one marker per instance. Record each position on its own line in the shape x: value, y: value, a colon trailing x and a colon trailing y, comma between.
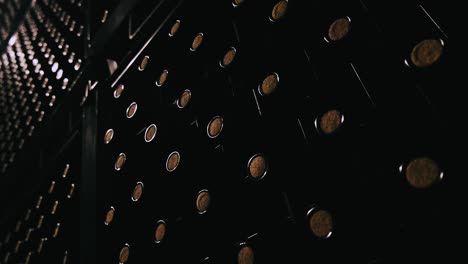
x: 224, y: 131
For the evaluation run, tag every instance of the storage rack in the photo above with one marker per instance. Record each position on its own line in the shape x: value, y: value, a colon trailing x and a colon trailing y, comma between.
x: 106, y: 132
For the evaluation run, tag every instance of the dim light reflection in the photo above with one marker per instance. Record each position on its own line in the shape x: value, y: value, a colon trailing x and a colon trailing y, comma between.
x: 59, y: 74
x: 55, y: 67
x: 12, y: 40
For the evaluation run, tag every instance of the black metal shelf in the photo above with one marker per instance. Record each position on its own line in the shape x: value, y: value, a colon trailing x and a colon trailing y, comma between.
x: 341, y: 119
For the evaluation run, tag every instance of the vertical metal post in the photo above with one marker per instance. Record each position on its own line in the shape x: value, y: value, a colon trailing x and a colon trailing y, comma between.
x: 87, y: 188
